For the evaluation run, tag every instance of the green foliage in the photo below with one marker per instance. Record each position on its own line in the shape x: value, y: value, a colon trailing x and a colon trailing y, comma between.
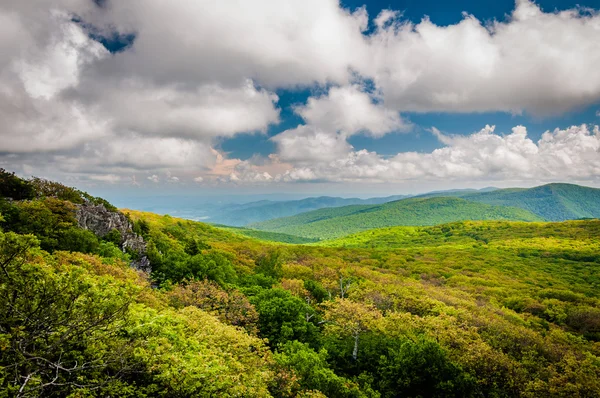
x: 113, y: 236
x: 316, y: 290
x: 71, y: 325
x: 78, y: 240
x: 194, y: 246
x: 270, y: 264
x: 45, y: 188
x: 313, y: 371
x: 230, y: 306
x: 14, y: 187
x: 141, y: 228
x: 486, y: 308
x: 283, y: 317
x: 53, y: 222
x: 421, y: 368
x: 56, y: 327
x: 268, y: 236
x: 177, y: 266
x: 552, y: 202
x: 336, y: 222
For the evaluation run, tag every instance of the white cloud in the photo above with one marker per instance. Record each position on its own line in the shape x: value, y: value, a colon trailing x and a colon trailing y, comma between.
x: 59, y: 95
x: 246, y: 172
x: 308, y: 144
x: 108, y: 178
x: 151, y: 153
x: 278, y: 43
x: 528, y: 63
x: 573, y: 153
x: 350, y: 110
x: 199, y: 71
x: 198, y: 179
x: 154, y: 178
x: 301, y: 174
x: 59, y: 64
x: 201, y: 112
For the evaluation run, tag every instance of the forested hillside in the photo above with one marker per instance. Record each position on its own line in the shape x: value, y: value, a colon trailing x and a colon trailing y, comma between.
x: 552, y: 202
x: 467, y: 309
x: 340, y: 221
x: 241, y: 215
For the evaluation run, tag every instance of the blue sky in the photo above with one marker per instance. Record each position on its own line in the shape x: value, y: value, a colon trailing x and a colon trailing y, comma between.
x: 311, y: 96
x: 441, y: 13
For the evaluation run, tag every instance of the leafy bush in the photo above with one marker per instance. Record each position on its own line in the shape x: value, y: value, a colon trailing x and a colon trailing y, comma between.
x: 14, y: 187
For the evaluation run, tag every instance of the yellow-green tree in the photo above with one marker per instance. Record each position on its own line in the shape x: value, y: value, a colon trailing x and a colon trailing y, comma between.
x: 349, y: 318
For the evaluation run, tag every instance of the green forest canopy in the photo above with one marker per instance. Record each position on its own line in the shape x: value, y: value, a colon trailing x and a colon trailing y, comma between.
x: 467, y: 309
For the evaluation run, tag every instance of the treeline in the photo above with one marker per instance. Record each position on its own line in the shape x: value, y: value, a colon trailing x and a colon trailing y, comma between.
x: 341, y: 221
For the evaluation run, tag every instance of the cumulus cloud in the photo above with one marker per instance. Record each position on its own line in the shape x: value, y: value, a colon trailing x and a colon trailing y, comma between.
x: 526, y: 63
x: 349, y: 110
x: 201, y: 112
x: 69, y: 105
x: 572, y: 153
x: 61, y: 94
x: 276, y: 43
x: 245, y: 172
x: 307, y: 144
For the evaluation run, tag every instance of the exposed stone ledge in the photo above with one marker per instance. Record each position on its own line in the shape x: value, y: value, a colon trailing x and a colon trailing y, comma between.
x: 100, y: 221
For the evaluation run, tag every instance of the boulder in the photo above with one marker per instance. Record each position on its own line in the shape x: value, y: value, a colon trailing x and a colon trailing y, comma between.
x: 100, y: 221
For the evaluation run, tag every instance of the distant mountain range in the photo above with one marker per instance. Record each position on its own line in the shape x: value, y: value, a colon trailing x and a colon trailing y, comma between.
x: 339, y: 221
x: 552, y: 202
x: 238, y: 215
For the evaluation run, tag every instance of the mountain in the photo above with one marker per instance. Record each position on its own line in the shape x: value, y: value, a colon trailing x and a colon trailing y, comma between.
x: 552, y: 202
x: 525, y: 235
x: 339, y: 221
x: 243, y: 214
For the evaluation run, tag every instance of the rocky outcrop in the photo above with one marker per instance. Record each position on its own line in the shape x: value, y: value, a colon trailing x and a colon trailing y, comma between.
x: 100, y: 221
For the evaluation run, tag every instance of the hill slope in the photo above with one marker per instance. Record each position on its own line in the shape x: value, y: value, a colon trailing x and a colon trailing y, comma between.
x: 552, y: 202
x: 254, y: 212
x: 336, y: 222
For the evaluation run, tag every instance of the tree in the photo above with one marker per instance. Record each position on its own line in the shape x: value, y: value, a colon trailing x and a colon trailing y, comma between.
x: 231, y: 307
x: 282, y: 317
x: 270, y: 264
x: 57, y: 326
x: 313, y: 371
x: 421, y: 368
x: 14, y: 187
x: 346, y: 317
x: 48, y: 219
x: 113, y: 236
x: 316, y: 290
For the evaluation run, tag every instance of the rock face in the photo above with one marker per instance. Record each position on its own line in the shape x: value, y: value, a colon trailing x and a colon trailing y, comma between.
x: 100, y: 221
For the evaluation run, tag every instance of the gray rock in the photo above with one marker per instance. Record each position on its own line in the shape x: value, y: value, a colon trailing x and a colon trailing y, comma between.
x: 100, y: 221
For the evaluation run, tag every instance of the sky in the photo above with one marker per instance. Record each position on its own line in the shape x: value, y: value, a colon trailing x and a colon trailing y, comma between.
x: 300, y: 97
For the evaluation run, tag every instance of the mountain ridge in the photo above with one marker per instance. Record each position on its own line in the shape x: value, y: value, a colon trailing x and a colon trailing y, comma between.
x: 337, y: 222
